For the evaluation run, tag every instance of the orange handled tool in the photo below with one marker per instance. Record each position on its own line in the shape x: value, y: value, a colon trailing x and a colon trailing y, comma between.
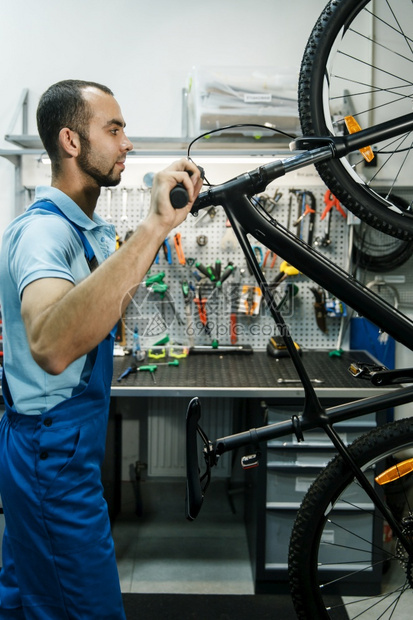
x: 178, y: 248
x: 331, y: 201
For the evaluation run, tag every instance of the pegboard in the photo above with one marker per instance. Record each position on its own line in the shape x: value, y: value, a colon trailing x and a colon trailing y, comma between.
x: 397, y: 282
x: 207, y: 239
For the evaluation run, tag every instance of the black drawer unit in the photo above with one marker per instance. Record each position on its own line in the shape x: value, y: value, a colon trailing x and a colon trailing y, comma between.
x: 277, y: 487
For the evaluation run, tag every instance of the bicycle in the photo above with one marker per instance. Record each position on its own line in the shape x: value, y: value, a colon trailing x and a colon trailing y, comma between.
x: 333, y: 147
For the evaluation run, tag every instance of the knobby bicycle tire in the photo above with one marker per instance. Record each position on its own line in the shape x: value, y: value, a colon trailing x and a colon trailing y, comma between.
x: 373, y: 250
x: 378, y: 252
x: 336, y: 544
x: 349, y: 68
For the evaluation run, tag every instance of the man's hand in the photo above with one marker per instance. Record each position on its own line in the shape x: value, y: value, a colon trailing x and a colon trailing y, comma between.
x: 183, y: 171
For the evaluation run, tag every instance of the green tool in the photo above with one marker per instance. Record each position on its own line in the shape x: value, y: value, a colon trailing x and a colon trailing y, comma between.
x: 163, y: 340
x: 159, y: 287
x: 174, y: 363
x: 150, y: 368
x: 157, y: 278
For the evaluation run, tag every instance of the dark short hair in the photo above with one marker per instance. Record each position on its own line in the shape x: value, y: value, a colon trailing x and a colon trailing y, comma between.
x: 63, y: 105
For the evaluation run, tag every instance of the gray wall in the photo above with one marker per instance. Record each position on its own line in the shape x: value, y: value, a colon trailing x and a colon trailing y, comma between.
x: 143, y: 50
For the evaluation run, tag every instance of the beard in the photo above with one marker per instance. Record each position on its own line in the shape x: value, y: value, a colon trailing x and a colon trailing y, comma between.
x: 94, y: 167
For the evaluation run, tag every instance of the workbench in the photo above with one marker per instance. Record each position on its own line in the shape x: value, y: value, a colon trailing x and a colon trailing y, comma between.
x: 235, y: 391
x: 227, y: 384
x: 256, y: 375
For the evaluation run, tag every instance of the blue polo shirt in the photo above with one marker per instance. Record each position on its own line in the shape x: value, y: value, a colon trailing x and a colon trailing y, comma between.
x: 40, y: 244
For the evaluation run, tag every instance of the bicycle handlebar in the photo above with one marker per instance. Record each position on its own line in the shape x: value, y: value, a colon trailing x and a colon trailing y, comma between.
x: 316, y: 149
x: 256, y: 181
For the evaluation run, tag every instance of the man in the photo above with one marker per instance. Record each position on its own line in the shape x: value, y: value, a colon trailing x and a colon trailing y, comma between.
x: 58, y: 312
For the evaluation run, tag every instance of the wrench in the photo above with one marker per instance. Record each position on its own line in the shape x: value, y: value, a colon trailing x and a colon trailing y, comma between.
x: 281, y: 380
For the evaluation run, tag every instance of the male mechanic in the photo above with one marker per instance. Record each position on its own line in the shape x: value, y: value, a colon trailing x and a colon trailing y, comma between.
x: 59, y: 310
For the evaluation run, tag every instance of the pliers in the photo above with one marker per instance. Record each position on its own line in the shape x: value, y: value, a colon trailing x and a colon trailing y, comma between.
x: 331, y: 201
x: 269, y: 253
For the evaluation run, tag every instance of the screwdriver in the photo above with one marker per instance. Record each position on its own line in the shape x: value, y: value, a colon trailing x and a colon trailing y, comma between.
x: 227, y: 272
x: 131, y: 370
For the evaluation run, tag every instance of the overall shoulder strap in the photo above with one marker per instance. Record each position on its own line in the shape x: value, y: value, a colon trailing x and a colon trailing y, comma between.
x: 89, y: 253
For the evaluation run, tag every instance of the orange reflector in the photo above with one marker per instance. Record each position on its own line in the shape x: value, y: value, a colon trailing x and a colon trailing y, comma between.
x: 352, y: 127
x: 395, y: 472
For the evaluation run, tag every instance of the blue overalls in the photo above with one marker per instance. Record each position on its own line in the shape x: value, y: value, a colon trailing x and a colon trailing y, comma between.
x: 56, y: 517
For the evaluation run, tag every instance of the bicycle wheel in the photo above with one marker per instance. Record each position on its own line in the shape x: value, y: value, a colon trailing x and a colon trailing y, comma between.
x: 342, y: 559
x: 358, y: 62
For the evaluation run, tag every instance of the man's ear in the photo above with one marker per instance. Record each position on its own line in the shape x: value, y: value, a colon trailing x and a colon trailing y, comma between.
x: 69, y: 142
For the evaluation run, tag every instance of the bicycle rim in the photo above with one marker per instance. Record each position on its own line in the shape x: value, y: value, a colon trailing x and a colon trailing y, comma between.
x: 358, y: 62
x: 343, y: 560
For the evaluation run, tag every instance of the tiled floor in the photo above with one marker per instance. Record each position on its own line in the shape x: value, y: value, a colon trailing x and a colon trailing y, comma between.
x: 383, y: 608
x: 162, y: 552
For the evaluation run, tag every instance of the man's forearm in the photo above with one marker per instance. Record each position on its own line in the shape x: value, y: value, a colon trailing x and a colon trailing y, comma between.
x: 83, y: 316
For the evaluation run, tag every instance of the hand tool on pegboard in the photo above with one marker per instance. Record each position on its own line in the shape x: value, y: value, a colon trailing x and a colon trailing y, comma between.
x: 307, y: 215
x: 285, y: 271
x: 250, y: 300
x: 200, y: 302
x: 186, y: 291
x: 269, y: 258
x: 267, y: 202
x: 211, y: 212
x: 217, y: 277
x: 179, y: 249
x: 157, y: 285
x: 320, y: 308
x: 330, y: 201
x: 166, y: 248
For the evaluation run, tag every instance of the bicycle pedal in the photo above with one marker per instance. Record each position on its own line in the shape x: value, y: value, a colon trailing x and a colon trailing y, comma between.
x: 365, y: 371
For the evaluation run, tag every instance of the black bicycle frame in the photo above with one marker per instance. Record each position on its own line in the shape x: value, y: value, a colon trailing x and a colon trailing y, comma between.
x: 248, y: 217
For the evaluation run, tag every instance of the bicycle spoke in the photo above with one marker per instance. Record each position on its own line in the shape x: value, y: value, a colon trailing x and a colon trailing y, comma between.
x: 385, y: 47
x: 358, y: 559
x: 361, y: 66
x: 375, y: 604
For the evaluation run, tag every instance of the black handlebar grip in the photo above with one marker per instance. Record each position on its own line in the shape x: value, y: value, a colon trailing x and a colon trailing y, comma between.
x: 178, y: 195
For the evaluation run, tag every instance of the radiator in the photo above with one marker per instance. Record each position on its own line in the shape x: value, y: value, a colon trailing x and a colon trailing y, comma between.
x: 166, y: 434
